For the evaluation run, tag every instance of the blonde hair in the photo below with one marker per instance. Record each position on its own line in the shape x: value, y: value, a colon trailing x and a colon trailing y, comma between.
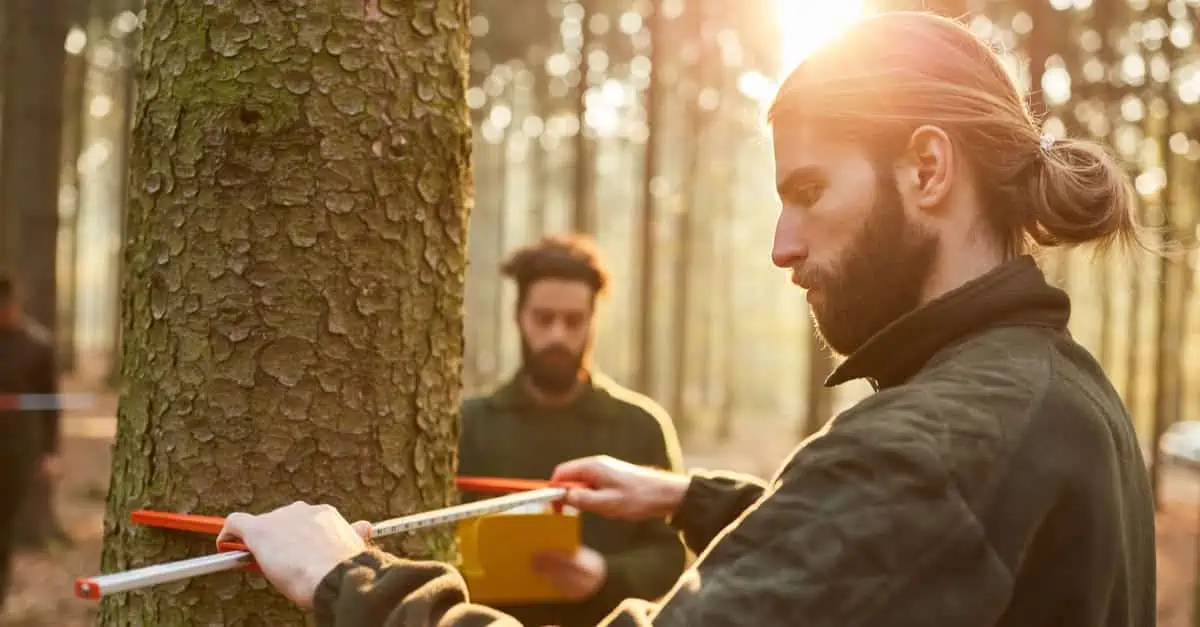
x: 891, y: 73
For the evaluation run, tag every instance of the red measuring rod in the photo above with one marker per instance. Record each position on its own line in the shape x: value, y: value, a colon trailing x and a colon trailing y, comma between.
x: 232, y: 555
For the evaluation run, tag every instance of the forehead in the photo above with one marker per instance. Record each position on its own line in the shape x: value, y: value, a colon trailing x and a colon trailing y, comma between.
x: 803, y: 148
x: 559, y: 294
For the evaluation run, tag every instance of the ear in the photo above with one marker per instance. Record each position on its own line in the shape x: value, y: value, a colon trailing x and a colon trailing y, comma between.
x: 926, y: 172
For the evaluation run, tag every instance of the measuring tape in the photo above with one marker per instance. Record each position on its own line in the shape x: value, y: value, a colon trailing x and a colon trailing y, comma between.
x: 113, y: 583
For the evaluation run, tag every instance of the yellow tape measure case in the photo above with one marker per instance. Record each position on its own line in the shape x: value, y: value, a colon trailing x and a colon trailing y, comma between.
x: 496, y: 554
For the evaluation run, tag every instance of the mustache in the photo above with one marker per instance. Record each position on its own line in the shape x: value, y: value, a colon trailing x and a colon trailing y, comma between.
x: 806, y: 279
x: 555, y: 350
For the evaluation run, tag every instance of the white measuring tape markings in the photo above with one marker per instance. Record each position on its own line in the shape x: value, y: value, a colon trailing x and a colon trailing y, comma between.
x: 104, y: 585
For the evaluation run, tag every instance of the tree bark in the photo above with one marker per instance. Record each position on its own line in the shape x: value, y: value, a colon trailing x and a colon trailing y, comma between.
x: 295, y: 258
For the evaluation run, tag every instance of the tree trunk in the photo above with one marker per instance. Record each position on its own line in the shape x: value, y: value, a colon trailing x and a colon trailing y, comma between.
x: 500, y: 206
x: 1132, y: 339
x: 647, y: 221
x: 299, y: 199
x: 35, y: 61
x: 124, y: 148
x: 684, y: 267
x: 72, y: 144
x: 724, y: 286
x: 1169, y: 331
x: 29, y: 166
x: 818, y: 401
x: 583, y: 218
x: 1104, y: 351
x: 537, y: 147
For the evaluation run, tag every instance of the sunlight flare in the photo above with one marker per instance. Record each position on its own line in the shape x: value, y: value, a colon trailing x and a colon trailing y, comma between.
x: 807, y: 24
x: 804, y: 25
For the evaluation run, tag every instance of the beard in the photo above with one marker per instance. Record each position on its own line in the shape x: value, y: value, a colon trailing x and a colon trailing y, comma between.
x: 554, y: 369
x: 880, y: 278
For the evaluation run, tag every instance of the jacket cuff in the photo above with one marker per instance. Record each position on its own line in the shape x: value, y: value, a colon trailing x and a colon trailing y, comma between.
x: 710, y: 504
x: 327, y: 593
x: 692, y: 508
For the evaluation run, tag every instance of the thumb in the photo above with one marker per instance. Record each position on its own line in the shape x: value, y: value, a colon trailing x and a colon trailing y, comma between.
x: 363, y: 528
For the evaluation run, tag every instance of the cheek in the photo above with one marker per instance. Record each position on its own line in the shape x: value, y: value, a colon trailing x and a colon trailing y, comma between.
x: 579, y: 338
x: 836, y: 230
x: 830, y: 238
x: 531, y: 332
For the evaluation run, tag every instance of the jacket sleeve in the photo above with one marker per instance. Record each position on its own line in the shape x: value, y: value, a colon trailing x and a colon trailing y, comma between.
x: 376, y: 589
x: 865, y: 526
x: 712, y: 502
x: 862, y: 528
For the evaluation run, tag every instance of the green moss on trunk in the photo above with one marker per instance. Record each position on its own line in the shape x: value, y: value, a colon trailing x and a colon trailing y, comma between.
x: 293, y: 286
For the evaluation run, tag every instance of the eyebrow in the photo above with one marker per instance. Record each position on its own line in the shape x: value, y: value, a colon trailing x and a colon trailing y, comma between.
x: 803, y: 174
x: 559, y: 311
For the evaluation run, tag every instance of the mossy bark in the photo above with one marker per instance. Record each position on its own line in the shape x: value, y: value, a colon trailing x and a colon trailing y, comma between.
x: 293, y: 280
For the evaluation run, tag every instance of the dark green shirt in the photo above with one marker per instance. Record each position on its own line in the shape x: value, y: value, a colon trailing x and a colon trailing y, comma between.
x: 507, y: 434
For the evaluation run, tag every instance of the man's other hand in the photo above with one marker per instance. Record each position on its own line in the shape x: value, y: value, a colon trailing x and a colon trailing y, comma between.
x: 621, y: 490
x: 297, y: 545
x: 579, y: 576
x: 51, y: 467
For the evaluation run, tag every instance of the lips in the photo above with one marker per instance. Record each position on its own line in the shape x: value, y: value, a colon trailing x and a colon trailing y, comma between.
x: 556, y: 357
x: 800, y: 281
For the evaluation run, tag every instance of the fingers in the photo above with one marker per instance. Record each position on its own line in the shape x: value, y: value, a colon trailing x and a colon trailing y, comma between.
x: 584, y: 470
x: 595, y: 501
x: 553, y: 565
x: 236, y: 526
x: 240, y: 525
x: 363, y: 528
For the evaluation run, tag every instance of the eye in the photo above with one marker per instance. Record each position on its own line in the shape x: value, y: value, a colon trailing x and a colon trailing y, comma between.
x: 804, y: 194
x: 574, y: 320
x: 543, y: 318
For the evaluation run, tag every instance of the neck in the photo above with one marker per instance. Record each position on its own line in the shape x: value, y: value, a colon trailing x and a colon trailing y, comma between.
x: 960, y: 261
x: 553, y: 400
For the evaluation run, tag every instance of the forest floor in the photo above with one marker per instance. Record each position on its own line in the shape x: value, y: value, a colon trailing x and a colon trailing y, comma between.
x: 42, y: 583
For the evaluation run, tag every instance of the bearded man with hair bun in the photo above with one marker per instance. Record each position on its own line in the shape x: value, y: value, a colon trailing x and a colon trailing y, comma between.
x: 994, y: 478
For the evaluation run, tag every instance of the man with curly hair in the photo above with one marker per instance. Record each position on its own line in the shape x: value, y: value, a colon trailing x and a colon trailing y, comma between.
x: 556, y: 407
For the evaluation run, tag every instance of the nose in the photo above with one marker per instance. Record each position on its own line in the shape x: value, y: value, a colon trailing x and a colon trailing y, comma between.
x: 789, y: 248
x: 557, y: 332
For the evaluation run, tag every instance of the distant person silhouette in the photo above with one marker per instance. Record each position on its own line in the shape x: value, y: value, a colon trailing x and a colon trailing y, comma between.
x: 28, y: 438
